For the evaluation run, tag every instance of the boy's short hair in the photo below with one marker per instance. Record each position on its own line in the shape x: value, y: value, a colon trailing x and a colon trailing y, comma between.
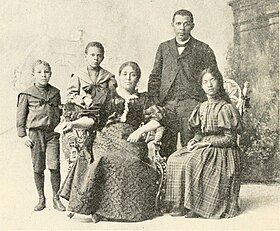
x: 41, y: 62
x: 183, y: 12
x: 95, y: 44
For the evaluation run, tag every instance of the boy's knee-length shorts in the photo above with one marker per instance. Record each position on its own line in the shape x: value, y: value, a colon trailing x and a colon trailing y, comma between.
x: 46, y: 148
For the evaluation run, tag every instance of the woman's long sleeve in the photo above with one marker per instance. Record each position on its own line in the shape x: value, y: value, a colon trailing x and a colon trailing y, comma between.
x: 225, y: 140
x: 229, y: 124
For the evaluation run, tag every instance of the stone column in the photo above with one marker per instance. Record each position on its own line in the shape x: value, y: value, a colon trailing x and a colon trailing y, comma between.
x: 256, y: 59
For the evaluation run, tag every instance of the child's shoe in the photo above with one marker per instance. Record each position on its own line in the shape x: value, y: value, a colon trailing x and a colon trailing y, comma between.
x: 95, y: 218
x: 58, y: 205
x: 41, y: 205
x: 70, y: 215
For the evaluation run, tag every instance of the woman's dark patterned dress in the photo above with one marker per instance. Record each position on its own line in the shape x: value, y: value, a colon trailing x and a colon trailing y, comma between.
x: 120, y: 184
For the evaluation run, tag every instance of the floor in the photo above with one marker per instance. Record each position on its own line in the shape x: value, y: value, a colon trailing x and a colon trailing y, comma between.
x: 260, y: 203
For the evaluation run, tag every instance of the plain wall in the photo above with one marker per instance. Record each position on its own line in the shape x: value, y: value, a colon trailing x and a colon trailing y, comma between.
x: 129, y: 30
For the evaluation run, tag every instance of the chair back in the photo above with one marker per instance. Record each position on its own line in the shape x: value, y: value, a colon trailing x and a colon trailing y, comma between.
x: 239, y: 98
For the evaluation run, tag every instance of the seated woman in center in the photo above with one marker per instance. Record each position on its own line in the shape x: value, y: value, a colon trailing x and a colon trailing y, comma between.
x: 120, y: 183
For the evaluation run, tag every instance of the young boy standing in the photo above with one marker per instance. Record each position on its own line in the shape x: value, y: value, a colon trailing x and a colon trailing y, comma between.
x: 38, y: 111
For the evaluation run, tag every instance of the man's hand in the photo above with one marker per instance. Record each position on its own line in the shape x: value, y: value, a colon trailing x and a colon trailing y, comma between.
x: 27, y: 141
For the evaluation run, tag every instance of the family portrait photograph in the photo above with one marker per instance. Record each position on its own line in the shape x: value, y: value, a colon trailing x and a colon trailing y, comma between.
x: 139, y: 115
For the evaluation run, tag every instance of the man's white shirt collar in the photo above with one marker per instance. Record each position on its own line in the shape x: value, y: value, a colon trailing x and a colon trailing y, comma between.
x: 180, y: 49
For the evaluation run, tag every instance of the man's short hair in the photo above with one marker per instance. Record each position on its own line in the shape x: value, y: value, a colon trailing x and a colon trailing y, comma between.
x: 183, y: 12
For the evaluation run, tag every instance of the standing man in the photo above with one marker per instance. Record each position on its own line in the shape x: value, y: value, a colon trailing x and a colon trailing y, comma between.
x: 175, y: 78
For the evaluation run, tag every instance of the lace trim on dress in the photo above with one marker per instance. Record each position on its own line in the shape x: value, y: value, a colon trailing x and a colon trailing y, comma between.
x: 127, y: 97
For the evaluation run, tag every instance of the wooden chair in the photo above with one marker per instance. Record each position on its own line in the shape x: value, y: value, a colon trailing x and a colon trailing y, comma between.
x: 153, y: 140
x: 238, y: 97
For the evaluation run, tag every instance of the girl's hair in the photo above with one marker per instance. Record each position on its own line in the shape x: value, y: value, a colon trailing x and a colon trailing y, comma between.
x: 41, y: 62
x: 214, y: 71
x: 134, y: 66
x: 95, y: 44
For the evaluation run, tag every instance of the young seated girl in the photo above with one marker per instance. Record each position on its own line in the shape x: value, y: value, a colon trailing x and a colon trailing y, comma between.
x: 203, y: 177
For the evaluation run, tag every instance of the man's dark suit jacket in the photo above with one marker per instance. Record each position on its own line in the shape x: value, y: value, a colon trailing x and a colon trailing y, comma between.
x: 168, y: 63
x: 175, y: 79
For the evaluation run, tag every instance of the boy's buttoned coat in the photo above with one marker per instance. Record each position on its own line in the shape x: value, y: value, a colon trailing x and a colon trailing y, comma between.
x: 37, y: 111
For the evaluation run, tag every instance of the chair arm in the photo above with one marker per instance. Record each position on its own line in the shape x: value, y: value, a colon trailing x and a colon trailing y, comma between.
x: 159, y: 133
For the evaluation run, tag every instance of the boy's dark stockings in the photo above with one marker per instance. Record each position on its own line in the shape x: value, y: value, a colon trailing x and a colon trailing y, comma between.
x: 55, y: 181
x: 39, y: 182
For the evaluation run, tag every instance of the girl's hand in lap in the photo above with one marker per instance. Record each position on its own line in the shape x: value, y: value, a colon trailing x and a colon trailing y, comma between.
x: 198, y: 145
x: 191, y: 144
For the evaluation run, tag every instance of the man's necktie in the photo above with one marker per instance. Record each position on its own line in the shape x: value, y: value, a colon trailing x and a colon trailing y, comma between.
x: 181, y: 45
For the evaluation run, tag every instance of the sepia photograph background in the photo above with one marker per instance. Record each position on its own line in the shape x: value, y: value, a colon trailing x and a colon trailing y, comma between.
x: 244, y: 35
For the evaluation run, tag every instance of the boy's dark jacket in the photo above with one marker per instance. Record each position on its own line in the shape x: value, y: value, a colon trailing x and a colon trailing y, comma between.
x: 36, y: 111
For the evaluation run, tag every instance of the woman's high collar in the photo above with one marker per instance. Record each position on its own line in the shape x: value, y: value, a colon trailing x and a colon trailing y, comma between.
x: 125, y: 94
x: 214, y: 99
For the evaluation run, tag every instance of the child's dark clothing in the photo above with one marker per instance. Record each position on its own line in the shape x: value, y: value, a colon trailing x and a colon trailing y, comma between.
x: 82, y: 84
x: 38, y: 110
x: 46, y: 146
